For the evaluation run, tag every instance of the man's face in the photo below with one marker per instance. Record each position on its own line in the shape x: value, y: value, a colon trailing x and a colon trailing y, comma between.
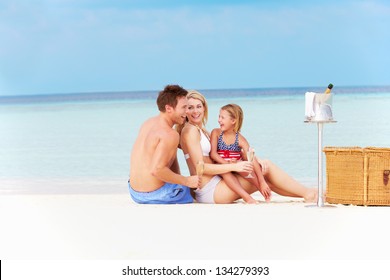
x: 179, y: 114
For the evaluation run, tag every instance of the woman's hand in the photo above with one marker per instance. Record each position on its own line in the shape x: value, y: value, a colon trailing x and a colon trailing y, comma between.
x: 243, y: 166
x: 264, y: 166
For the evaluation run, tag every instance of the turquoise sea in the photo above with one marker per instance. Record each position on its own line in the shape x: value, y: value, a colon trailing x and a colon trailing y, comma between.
x: 81, y: 143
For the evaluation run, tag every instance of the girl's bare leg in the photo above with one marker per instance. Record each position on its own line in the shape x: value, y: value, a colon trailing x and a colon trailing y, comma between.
x: 234, y: 184
x: 223, y: 194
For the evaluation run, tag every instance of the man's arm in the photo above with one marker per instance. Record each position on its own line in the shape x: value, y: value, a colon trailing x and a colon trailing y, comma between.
x: 165, y: 151
x: 175, y: 167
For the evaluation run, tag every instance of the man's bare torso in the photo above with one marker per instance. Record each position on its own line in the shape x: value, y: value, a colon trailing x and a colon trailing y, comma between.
x: 141, y: 161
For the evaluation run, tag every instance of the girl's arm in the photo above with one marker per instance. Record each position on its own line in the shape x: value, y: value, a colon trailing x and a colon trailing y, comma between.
x: 256, y: 166
x: 214, y: 146
x: 264, y: 188
x: 244, y: 145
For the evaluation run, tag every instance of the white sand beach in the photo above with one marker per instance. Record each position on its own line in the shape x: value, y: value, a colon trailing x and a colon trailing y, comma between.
x: 95, y: 227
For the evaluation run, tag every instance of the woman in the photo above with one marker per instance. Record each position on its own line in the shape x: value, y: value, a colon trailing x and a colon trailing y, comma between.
x: 195, y: 143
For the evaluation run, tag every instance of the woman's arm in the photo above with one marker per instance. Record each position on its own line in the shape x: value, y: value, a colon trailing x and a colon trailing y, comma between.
x: 214, y: 146
x: 190, y: 143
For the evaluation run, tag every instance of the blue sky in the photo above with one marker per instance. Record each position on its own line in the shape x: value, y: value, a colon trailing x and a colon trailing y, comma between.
x: 59, y: 46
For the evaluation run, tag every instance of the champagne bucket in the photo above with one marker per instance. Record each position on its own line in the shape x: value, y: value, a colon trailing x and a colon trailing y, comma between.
x: 318, y: 107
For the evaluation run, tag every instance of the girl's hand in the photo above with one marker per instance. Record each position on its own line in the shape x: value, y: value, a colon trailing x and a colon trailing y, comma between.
x: 265, y: 190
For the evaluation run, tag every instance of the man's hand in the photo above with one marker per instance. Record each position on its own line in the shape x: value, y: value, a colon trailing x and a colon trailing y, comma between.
x: 193, y: 182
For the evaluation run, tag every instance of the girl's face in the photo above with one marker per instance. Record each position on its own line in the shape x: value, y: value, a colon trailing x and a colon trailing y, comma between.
x: 226, y: 122
x: 195, y: 111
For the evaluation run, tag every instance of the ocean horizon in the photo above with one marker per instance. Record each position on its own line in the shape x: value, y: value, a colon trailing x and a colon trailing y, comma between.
x: 105, y: 96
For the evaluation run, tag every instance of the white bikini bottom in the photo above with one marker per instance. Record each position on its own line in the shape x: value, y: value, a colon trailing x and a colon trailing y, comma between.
x: 206, y: 194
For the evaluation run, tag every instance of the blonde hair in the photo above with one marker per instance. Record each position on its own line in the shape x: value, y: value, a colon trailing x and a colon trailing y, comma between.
x: 198, y: 96
x: 236, y: 113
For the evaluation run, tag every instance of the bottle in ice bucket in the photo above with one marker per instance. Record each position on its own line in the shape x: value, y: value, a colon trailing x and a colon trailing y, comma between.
x: 327, y: 91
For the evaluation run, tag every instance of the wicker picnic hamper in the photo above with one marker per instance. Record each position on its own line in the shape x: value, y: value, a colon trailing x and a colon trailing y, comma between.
x: 358, y: 176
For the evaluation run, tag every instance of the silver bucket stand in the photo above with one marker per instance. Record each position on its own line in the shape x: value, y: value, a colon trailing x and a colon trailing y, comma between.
x: 318, y: 109
x: 320, y: 199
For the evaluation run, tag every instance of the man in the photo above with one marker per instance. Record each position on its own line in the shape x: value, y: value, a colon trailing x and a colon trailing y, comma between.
x: 154, y: 170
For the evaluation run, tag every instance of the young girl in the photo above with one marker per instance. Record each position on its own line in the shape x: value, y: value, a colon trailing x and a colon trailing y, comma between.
x: 228, y: 144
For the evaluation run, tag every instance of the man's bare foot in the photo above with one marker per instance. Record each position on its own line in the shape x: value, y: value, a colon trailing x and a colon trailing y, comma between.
x: 311, y: 195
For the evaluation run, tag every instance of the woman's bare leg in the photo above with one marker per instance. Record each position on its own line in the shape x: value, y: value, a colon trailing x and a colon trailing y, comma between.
x: 284, y: 184
x: 278, y: 180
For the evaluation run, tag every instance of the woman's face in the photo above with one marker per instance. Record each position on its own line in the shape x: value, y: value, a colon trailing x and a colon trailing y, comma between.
x: 195, y: 111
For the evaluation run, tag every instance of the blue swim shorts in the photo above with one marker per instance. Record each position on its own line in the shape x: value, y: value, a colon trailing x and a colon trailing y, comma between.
x: 167, y: 194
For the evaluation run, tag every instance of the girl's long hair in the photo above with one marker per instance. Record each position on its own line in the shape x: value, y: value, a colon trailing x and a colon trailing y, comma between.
x: 235, y: 112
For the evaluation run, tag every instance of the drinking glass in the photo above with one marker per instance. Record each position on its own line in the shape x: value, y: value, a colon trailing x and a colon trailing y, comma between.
x: 199, y: 168
x: 250, y: 155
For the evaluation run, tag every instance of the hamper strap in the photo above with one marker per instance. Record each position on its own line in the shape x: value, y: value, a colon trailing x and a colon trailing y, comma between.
x: 386, y: 174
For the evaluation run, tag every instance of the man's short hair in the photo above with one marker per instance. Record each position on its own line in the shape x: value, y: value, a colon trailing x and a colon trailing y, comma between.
x: 169, y: 96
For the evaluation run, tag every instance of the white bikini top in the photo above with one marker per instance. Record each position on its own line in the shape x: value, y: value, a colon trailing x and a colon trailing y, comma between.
x: 205, y: 145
